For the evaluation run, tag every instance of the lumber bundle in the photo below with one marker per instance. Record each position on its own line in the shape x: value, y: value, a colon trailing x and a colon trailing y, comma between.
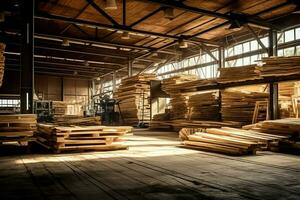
x: 178, y: 100
x: 279, y: 66
x: 17, y: 128
x: 204, y: 106
x: 59, y: 108
x: 236, y: 74
x: 231, y: 141
x: 289, y: 127
x: 62, y: 138
x: 2, y: 62
x: 133, y: 95
x: 191, y: 86
x: 239, y: 106
x: 67, y: 120
x: 183, y: 123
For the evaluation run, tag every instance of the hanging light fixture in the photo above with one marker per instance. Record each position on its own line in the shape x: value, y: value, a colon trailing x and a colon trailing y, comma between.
x: 235, y: 25
x: 169, y: 13
x: 182, y: 44
x: 125, y: 35
x: 111, y: 5
x: 65, y: 43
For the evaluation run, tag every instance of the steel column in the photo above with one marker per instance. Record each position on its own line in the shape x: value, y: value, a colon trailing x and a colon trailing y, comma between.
x: 273, y: 87
x: 221, y: 57
x: 130, y: 62
x: 114, y: 81
x: 27, y: 60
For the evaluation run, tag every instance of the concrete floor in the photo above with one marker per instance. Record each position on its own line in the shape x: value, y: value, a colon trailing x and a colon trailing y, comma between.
x: 153, y: 168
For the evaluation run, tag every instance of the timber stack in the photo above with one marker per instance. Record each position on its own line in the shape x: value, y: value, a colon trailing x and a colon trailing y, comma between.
x: 67, y: 120
x: 289, y: 127
x: 178, y: 100
x: 17, y: 128
x: 237, y: 74
x: 133, y: 95
x: 63, y: 138
x: 230, y: 141
x: 2, y: 62
x: 239, y: 106
x: 279, y: 66
x: 204, y: 106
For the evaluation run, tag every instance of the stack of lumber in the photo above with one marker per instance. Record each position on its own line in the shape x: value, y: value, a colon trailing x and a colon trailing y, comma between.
x: 62, y: 138
x: 17, y: 128
x: 239, y: 105
x: 279, y: 66
x: 231, y: 141
x: 133, y: 95
x: 169, y: 85
x: 2, y: 62
x: 178, y: 100
x: 67, y: 120
x: 59, y: 108
x: 182, y: 123
x: 191, y: 86
x: 289, y: 127
x: 204, y: 106
x: 237, y: 74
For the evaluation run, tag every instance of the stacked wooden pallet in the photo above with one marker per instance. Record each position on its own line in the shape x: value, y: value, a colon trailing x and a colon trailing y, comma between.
x: 133, y: 95
x: 61, y: 138
x: 17, y: 128
x: 289, y: 127
x: 236, y: 74
x: 239, y: 106
x: 231, y: 141
x: 67, y: 120
x: 2, y: 62
x: 204, y: 106
x: 279, y: 66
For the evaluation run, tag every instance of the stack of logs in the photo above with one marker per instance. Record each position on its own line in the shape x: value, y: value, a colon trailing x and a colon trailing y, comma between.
x: 2, y: 62
x: 133, y: 95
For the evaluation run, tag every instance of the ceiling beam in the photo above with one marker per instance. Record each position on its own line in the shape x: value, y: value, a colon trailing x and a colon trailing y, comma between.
x: 45, y: 16
x: 146, y: 17
x: 229, y: 17
x: 102, y: 12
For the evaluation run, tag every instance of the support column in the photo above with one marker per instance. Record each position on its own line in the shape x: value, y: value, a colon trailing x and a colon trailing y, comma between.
x: 273, y: 87
x: 130, y: 62
x: 114, y: 81
x: 27, y: 62
x: 62, y: 89
x: 221, y: 60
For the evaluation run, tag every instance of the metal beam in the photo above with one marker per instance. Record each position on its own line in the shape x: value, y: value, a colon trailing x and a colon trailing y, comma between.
x: 102, y: 12
x: 130, y: 63
x: 45, y: 16
x: 146, y: 16
x: 257, y: 39
x: 230, y: 17
x: 27, y: 56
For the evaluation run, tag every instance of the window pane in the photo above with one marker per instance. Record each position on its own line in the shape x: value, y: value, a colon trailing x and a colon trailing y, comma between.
x: 298, y: 51
x: 238, y: 49
x: 246, y: 47
x: 289, y: 35
x: 246, y: 61
x: 280, y: 38
x: 254, y: 45
x: 289, y: 51
x: 298, y: 33
x: 280, y: 52
x: 265, y: 41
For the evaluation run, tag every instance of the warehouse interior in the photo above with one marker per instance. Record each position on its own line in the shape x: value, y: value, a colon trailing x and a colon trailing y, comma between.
x: 150, y: 99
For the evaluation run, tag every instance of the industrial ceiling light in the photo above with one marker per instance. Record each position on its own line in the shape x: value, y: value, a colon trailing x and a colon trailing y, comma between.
x: 111, y: 5
x: 182, y: 44
x: 125, y: 36
x: 235, y: 25
x: 169, y: 13
x: 65, y: 43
